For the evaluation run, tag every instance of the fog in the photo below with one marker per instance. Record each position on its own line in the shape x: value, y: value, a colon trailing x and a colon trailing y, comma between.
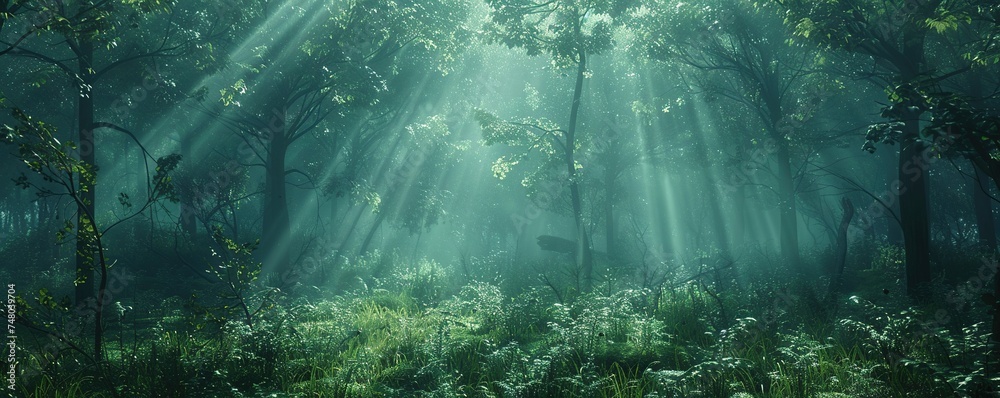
x: 497, y: 198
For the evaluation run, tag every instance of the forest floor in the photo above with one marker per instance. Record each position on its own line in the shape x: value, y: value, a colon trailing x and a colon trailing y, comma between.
x: 409, y: 335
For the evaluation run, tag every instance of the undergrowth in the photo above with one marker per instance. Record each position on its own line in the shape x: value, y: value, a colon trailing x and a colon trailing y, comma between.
x: 407, y: 331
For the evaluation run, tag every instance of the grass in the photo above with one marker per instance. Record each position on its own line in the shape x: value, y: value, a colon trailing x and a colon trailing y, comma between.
x: 414, y: 336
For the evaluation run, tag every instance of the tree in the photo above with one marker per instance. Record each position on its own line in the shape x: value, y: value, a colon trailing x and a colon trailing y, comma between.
x: 333, y: 69
x: 895, y: 36
x: 414, y: 199
x: 742, y: 51
x: 955, y: 129
x: 68, y: 38
x: 570, y: 32
x: 43, y: 154
x: 381, y: 155
x: 615, y: 155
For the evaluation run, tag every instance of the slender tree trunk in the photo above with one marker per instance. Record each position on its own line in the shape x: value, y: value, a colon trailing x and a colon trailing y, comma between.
x: 41, y: 210
x: 188, y: 219
x: 89, y: 250
x: 349, y: 232
x: 584, y: 259
x: 371, y: 232
x: 85, y: 118
x: 99, y: 308
x: 996, y: 307
x: 52, y: 222
x: 841, y: 247
x: 276, y: 235
x: 5, y: 227
x: 988, y: 169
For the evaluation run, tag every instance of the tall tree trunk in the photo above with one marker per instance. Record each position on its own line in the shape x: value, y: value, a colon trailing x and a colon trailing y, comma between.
x: 88, y: 245
x: 893, y: 230
x: 85, y: 120
x: 988, y: 168
x: 584, y: 258
x: 609, y: 211
x: 276, y: 235
x: 786, y: 203
x: 913, y: 208
x: 6, y: 228
x: 913, y: 175
x: 52, y: 220
x: 982, y: 202
x: 771, y: 95
x: 984, y: 211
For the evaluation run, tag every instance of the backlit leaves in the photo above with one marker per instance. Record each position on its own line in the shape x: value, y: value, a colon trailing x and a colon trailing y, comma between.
x: 562, y: 29
x: 496, y: 130
x: 163, y: 185
x: 43, y: 153
x: 503, y: 166
x: 945, y: 22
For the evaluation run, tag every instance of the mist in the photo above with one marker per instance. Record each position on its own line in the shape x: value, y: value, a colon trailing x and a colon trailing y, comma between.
x: 500, y: 198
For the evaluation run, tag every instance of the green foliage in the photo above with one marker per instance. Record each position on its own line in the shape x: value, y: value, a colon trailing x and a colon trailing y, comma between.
x: 612, y: 325
x: 426, y: 281
x: 482, y: 342
x: 45, y: 154
x: 358, y: 37
x: 487, y: 312
x: 424, y: 207
x: 526, y: 137
x: 957, y: 128
x: 64, y: 174
x: 561, y: 29
x: 241, y: 296
x: 383, y: 325
x: 887, y: 257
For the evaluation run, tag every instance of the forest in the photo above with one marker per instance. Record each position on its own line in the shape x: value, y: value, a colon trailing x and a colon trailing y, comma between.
x: 500, y: 198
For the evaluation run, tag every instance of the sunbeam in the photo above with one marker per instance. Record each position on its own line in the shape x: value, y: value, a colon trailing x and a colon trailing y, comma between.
x: 500, y: 198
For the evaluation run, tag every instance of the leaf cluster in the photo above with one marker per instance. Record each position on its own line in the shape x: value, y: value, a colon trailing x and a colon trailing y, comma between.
x: 566, y: 30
